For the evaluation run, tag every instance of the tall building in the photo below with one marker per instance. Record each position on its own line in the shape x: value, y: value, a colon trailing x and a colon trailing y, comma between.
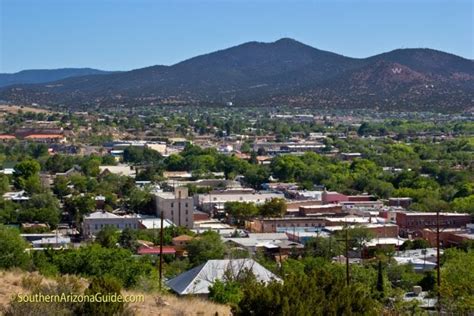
x: 176, y: 206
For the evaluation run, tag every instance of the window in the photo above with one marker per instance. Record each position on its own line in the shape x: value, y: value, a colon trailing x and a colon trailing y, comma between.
x: 186, y: 204
x: 172, y: 204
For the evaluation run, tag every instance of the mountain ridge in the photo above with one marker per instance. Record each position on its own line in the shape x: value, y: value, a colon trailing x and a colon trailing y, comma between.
x: 33, y: 76
x: 282, y: 72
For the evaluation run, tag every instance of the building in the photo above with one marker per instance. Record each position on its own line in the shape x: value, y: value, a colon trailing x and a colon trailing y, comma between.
x: 198, y: 280
x: 329, y: 197
x: 176, y: 206
x: 272, y: 225
x: 413, y: 223
x: 215, y: 200
x: 307, y: 210
x: 452, y: 237
x: 155, y: 251
x: 46, y: 138
x: 121, y: 170
x: 96, y: 221
x: 404, y: 202
x: 180, y: 242
x: 378, y: 230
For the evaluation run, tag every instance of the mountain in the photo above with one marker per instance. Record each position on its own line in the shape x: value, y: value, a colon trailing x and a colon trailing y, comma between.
x: 45, y: 75
x: 281, y: 72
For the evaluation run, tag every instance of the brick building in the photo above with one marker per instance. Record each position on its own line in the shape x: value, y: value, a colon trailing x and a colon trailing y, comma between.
x: 413, y: 223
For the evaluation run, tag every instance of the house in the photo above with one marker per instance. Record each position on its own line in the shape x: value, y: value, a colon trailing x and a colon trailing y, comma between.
x: 6, y: 138
x: 180, y: 242
x: 198, y: 280
x: 46, y: 138
x: 121, y: 170
x: 177, y: 175
x: 53, y: 242
x: 155, y: 251
x: 255, y: 241
x: 17, y: 196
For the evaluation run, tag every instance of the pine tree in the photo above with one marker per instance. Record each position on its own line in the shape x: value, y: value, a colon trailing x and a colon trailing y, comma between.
x: 380, y: 287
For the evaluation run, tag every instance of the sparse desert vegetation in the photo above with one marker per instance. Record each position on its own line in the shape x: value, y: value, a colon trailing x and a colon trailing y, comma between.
x: 20, y: 282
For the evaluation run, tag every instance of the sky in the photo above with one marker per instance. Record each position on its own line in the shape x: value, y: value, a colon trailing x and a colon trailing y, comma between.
x: 130, y: 34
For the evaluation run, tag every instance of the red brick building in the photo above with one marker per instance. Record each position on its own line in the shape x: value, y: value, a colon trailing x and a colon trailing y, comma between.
x: 449, y: 237
x: 413, y: 223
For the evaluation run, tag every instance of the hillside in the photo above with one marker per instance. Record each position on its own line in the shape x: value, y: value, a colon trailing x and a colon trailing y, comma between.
x: 19, y: 282
x: 45, y: 75
x: 282, y: 72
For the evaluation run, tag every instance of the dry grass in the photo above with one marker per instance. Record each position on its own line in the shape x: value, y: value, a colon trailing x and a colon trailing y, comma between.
x: 17, y: 281
x: 15, y: 108
x: 183, y: 306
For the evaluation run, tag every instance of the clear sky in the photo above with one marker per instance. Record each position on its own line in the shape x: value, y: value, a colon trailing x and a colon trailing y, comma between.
x: 128, y: 34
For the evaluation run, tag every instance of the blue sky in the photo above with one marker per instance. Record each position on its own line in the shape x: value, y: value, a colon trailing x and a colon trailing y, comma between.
x: 128, y: 34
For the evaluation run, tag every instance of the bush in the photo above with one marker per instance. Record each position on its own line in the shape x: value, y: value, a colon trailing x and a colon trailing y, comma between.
x: 12, y: 249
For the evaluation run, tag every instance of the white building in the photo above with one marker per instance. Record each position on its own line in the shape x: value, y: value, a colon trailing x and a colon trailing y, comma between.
x: 176, y: 206
x: 216, y: 200
x: 96, y: 221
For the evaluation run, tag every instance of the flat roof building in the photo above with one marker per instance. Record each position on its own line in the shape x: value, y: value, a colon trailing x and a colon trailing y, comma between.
x: 176, y: 206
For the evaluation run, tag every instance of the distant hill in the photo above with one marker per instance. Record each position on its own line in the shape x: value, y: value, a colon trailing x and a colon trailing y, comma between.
x: 45, y: 75
x: 285, y: 72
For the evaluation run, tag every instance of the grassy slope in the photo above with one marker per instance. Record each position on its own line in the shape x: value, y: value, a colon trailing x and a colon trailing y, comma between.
x: 11, y: 283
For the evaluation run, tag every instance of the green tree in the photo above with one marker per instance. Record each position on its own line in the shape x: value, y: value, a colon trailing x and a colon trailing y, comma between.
x: 103, y: 286
x: 107, y: 237
x: 241, y: 211
x: 43, y: 208
x: 464, y: 204
x: 327, y: 248
x: 12, y: 245
x: 380, y: 280
x: 228, y: 292
x: 457, y: 277
x: 128, y: 240
x: 205, y: 247
x: 4, y: 184
x: 275, y: 207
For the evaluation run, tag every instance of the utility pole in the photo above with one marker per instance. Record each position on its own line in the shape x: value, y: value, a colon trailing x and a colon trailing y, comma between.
x: 179, y: 207
x: 347, y: 258
x: 161, y: 249
x: 438, y: 270
x: 346, y: 241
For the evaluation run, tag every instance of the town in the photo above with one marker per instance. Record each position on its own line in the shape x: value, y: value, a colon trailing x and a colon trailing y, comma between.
x: 188, y: 201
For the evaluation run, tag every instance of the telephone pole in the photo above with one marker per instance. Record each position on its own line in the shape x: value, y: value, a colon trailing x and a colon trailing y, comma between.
x: 348, y: 280
x: 438, y: 270
x: 161, y: 249
x: 346, y: 241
